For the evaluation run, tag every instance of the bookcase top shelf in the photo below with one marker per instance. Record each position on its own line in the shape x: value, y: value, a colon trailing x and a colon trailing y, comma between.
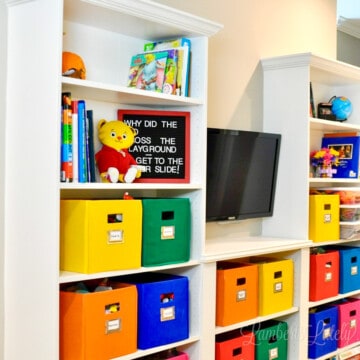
x: 143, y: 19
x: 322, y: 70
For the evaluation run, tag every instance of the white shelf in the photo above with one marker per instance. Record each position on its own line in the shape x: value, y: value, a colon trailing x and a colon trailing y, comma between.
x: 232, y: 247
x: 333, y: 298
x: 67, y: 276
x: 257, y: 320
x: 87, y: 89
x: 332, y: 126
x: 140, y: 353
x: 107, y: 191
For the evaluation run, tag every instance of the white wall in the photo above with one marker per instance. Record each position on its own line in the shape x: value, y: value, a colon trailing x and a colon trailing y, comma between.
x: 3, y: 68
x: 253, y: 30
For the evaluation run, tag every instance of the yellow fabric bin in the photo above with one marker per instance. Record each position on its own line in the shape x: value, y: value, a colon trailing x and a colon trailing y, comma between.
x: 100, y: 235
x: 324, y: 223
x: 276, y: 284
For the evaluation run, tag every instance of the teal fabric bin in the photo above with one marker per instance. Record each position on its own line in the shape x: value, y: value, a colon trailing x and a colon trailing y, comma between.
x: 166, y: 231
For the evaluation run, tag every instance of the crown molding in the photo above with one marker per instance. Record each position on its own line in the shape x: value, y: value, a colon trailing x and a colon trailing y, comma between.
x: 15, y: 2
x: 162, y: 14
x: 349, y: 26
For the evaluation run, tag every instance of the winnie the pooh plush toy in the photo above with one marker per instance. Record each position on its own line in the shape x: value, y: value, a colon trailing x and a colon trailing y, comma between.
x: 113, y: 160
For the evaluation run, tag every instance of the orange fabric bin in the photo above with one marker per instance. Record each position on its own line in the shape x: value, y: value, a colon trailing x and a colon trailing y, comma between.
x: 98, y: 325
x: 236, y: 292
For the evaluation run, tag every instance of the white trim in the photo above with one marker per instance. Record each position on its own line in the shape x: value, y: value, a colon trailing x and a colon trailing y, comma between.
x: 161, y: 14
x: 349, y: 26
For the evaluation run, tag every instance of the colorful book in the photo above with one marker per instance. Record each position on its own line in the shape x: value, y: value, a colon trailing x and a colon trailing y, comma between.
x: 184, y: 75
x: 184, y: 57
x: 74, y: 112
x: 147, y: 71
x: 348, y: 148
x: 90, y: 147
x: 341, y: 134
x: 66, y: 139
x: 167, y: 44
x: 82, y: 162
x: 171, y: 71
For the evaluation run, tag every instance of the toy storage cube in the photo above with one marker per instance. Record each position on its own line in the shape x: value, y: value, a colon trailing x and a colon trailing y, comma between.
x: 347, y: 195
x: 98, y: 325
x: 167, y: 355
x: 349, y: 321
x: 350, y: 213
x: 323, y: 327
x: 271, y: 340
x: 237, y: 345
x: 350, y: 231
x: 179, y: 356
x: 163, y: 308
x: 276, y: 284
x: 324, y: 275
x: 324, y: 224
x: 166, y: 231
x: 100, y: 235
x: 349, y: 279
x: 236, y: 292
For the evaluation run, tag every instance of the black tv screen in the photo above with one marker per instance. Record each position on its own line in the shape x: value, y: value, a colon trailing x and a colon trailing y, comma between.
x: 241, y: 174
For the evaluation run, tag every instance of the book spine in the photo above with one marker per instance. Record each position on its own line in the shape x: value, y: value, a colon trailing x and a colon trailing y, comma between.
x: 171, y: 71
x: 185, y: 76
x: 82, y: 142
x: 90, y: 147
x: 66, y: 139
x: 75, y: 146
x: 312, y: 104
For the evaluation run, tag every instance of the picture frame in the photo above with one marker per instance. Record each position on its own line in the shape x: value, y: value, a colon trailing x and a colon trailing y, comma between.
x: 162, y: 144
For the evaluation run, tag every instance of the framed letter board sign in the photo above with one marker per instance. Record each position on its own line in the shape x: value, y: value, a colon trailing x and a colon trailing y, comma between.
x: 162, y: 144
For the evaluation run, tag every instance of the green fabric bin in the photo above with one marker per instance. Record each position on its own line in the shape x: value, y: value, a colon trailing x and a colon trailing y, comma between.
x: 271, y: 340
x: 166, y: 231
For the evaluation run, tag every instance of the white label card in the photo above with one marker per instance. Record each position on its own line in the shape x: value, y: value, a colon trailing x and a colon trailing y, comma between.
x: 115, y: 236
x: 278, y: 287
x: 273, y: 353
x: 167, y: 232
x: 112, y: 326
x: 241, y: 295
x: 354, y: 270
x: 167, y: 313
x: 328, y: 276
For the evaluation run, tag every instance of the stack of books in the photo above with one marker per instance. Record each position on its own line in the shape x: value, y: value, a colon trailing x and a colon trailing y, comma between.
x: 163, y: 66
x: 77, y: 143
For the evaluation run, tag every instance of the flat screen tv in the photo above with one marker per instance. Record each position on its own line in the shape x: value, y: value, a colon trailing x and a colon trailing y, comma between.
x: 241, y: 174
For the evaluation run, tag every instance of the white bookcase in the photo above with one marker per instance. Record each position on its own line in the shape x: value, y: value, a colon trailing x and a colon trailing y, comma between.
x: 286, y: 110
x: 106, y: 33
